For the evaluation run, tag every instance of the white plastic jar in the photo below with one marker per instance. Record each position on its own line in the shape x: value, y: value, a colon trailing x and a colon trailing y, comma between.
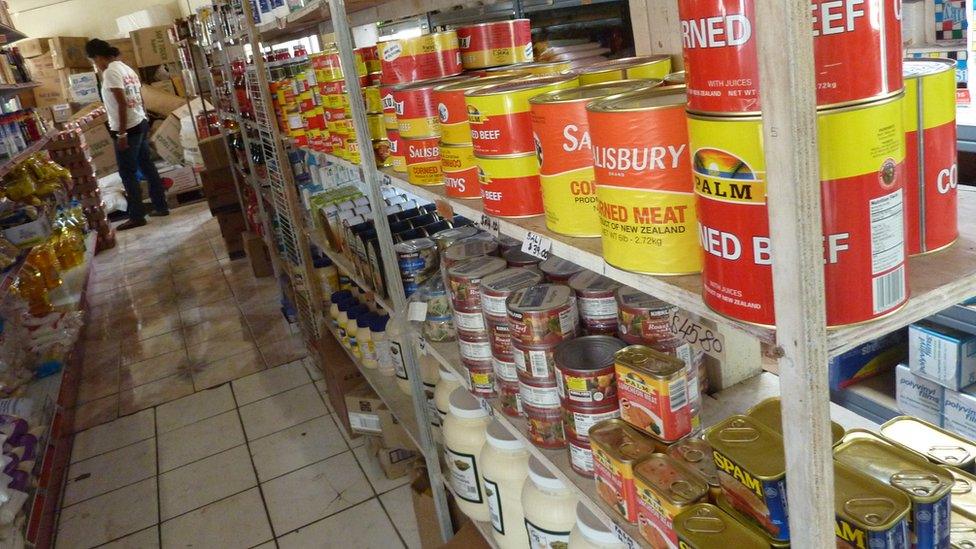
x: 429, y: 368
x: 505, y: 467
x: 549, y: 506
x: 464, y: 435
x: 442, y: 394
x: 590, y: 533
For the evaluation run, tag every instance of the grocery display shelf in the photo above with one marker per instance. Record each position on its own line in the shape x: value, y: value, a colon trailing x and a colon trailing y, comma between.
x: 342, y: 264
x: 7, y: 165
x: 295, y: 22
x: 484, y: 527
x: 12, y: 89
x: 10, y: 34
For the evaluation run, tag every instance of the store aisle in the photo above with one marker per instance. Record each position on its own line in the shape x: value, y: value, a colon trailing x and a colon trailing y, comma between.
x: 200, y: 422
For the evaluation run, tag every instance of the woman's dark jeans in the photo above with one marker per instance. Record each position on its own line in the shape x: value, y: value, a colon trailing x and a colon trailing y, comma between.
x: 136, y: 159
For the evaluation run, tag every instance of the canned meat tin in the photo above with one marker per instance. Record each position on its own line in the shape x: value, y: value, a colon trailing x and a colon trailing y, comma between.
x: 467, y: 249
x: 464, y: 281
x: 452, y: 111
x: 510, y: 185
x: 928, y: 486
x: 545, y: 426
x: 962, y: 533
x: 696, y: 454
x: 416, y: 109
x: 376, y: 128
x: 675, y: 78
x: 930, y: 154
x: 578, y: 420
x: 388, y: 105
x: 596, y: 297
x: 856, y: 51
x: 752, y: 470
x: 496, y: 288
x: 627, y: 68
x: 769, y: 413
x: 870, y: 514
x: 646, y: 319
x: 580, y: 457
x: 562, y: 140
x: 705, y: 526
x: 558, y: 270
x: 664, y: 489
x: 423, y: 161
x: 963, y: 492
x: 653, y: 391
x: 645, y: 194
x: 543, y: 315
x: 398, y: 150
x: 862, y: 175
x: 460, y: 171
x: 937, y: 444
x: 373, y: 99
x: 534, y: 361
x: 496, y: 43
x: 482, y: 379
x: 499, y: 114
x: 585, y: 372
x: 516, y: 258
x: 419, y: 58
x: 617, y: 447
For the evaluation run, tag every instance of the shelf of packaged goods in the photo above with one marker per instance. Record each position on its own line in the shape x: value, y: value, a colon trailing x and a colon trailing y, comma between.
x: 343, y: 265
x: 7, y: 165
x: 12, y: 89
x: 296, y: 22
x: 873, y: 398
x: 7, y: 277
x: 484, y: 527
x: 9, y: 34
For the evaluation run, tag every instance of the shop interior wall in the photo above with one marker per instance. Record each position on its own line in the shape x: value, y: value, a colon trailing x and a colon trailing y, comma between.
x: 91, y: 18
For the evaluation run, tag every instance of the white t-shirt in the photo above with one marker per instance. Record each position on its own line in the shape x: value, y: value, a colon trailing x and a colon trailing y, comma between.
x: 119, y: 75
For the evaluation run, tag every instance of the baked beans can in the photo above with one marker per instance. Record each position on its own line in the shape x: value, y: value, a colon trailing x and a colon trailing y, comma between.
x: 645, y: 195
x: 398, y: 157
x: 617, y: 447
x: 453, y: 111
x: 419, y: 58
x: 416, y: 109
x: 534, y: 361
x: 933, y: 442
x: 543, y: 315
x: 585, y: 371
x: 464, y: 281
x: 557, y: 270
x: 460, y: 171
x: 653, y: 391
x: 769, y: 413
x: 856, y: 51
x: 508, y: 397
x: 627, y: 68
x: 580, y: 456
x: 388, y: 104
x: 516, y: 258
x: 862, y: 176
x: 664, y: 489
x: 597, y: 301
x: 423, y: 160
x: 510, y: 185
x: 562, y: 140
x: 545, y: 426
x: 496, y: 43
x: 931, y: 200
x: 579, y: 420
x: 482, y: 379
x: 704, y: 526
x: 499, y: 115
x: 696, y: 454
x: 538, y: 394
x: 496, y: 288
x: 869, y: 513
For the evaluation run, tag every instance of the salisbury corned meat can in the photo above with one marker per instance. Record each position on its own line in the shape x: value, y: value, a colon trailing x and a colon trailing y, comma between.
x: 628, y: 68
x: 452, y: 110
x: 870, y: 514
x: 460, y: 171
x: 664, y: 489
x: 705, y: 526
x: 496, y: 43
x: 416, y: 109
x: 423, y: 161
x: 543, y: 315
x: 652, y: 388
x: 617, y: 447
x: 510, y: 185
x: 419, y: 57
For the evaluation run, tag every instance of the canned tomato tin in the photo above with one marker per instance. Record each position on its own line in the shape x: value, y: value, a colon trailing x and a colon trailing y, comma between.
x: 705, y: 526
x: 373, y: 100
x: 627, y: 68
x: 862, y: 175
x: 499, y: 114
x: 388, y: 104
x: 534, y: 361
x: 869, y: 513
x: 397, y: 151
x: 558, y: 270
x: 769, y: 413
x: 510, y: 185
x: 664, y: 489
x: 928, y: 486
x: 501, y: 341
x: 423, y: 158
x: 937, y: 444
x: 475, y: 349
x: 645, y: 319
x: 453, y: 111
x: 580, y: 456
x: 963, y: 492
x: 504, y: 370
x: 460, y: 171
x: 467, y: 249
x: 930, y: 154
x: 419, y: 58
x: 585, y: 372
x: 562, y: 139
x: 516, y: 258
x: 752, y: 470
x: 538, y: 394
x: 617, y: 447
x: 578, y: 420
x: 545, y: 426
x: 653, y: 391
x: 416, y: 110
x: 696, y: 454
x: 645, y: 193
x: 597, y: 301
x: 464, y: 280
x: 508, y: 397
x: 542, y: 315
x: 482, y: 378
x: 496, y: 288
x: 496, y: 43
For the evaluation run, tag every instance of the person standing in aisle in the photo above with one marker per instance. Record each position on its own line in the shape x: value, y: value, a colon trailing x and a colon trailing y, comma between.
x: 129, y: 126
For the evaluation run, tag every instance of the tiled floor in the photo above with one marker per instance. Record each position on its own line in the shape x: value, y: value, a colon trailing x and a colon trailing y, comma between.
x: 201, y: 424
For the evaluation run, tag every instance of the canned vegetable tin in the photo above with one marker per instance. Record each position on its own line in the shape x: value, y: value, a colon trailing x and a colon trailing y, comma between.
x: 627, y: 68
x: 419, y: 58
x: 869, y: 513
x: 453, y: 111
x: 416, y: 109
x: 705, y: 526
x: 653, y: 391
x: 585, y: 370
x: 562, y: 141
x: 664, y: 489
x: 645, y: 195
x: 935, y: 443
x: 930, y: 154
x: 496, y: 43
x: 617, y: 447
x: 510, y: 185
x: 460, y: 171
x: 862, y: 175
x: 423, y: 161
x: 542, y: 315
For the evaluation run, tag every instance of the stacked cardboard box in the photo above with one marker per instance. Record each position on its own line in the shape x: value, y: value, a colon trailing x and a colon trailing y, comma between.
x: 52, y: 62
x: 219, y: 188
x: 92, y: 122
x: 386, y: 440
x: 70, y: 149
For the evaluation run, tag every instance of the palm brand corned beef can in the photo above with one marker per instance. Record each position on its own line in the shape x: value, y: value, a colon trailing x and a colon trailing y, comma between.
x: 510, y: 185
x: 398, y: 157
x: 388, y: 104
x: 585, y: 372
x: 499, y: 114
x: 652, y: 388
x: 930, y: 154
x: 534, y: 361
x: 558, y: 270
x: 862, y: 170
x: 464, y: 280
x: 460, y: 171
x: 423, y: 158
x: 496, y: 43
x: 617, y: 447
x: 645, y: 319
x: 453, y: 111
x: 696, y: 454
x: 645, y: 196
x: 664, y: 488
x: 495, y: 289
x: 596, y: 297
x: 419, y: 58
x: 543, y: 315
x: 416, y: 109
x: 562, y: 142
x: 627, y: 68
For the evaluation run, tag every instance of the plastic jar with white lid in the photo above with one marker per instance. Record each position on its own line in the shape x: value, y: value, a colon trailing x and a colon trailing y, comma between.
x: 442, y: 392
x: 549, y: 506
x: 464, y: 435
x: 590, y: 533
x: 505, y: 467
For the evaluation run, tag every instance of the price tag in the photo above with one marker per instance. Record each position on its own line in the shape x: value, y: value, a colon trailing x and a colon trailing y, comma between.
x: 696, y: 334
x: 422, y: 345
x: 486, y: 406
x: 624, y: 537
x: 488, y: 224
x: 536, y: 245
x: 417, y: 311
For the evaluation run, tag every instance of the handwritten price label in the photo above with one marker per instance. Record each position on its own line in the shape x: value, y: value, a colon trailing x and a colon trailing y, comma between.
x: 698, y: 335
x: 536, y: 245
x: 488, y: 224
x: 624, y: 537
x: 486, y: 406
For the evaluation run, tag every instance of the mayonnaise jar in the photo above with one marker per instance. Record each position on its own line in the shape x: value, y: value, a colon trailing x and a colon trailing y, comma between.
x: 590, y: 533
x: 549, y: 506
x: 464, y: 435
x: 505, y: 467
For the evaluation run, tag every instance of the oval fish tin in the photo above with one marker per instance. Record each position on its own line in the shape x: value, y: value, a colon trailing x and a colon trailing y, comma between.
x: 496, y: 43
x: 542, y: 315
x: 416, y: 109
x: 645, y: 194
x: 870, y: 514
x: 628, y: 68
x: 562, y: 142
x: 862, y: 179
x: 452, y: 111
x: 664, y: 489
x: 460, y: 171
x: 419, y: 58
x: 696, y: 454
x: 769, y: 413
x: 423, y: 161
x: 705, y: 526
x: 510, y: 185
x: 936, y: 444
x: 585, y: 370
x: 752, y: 469
x: 932, y: 176
x: 616, y: 448
x: 928, y: 486
x: 653, y: 391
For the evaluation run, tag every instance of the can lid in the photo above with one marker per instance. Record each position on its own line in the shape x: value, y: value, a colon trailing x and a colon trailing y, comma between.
x: 913, y: 67
x: 448, y: 375
x: 498, y: 436
x: 414, y: 245
x: 515, y: 255
x: 465, y: 405
x: 622, y: 63
x: 675, y: 78
x: 636, y: 299
x: 541, y: 297
x: 588, y: 281
x: 542, y: 477
x: 589, y: 92
x: 559, y: 267
x: 593, y: 529
x: 521, y: 85
x: 587, y: 353
x: 661, y: 97
x: 472, y: 83
x: 431, y: 83
x: 466, y: 249
x: 511, y: 279
x: 476, y: 268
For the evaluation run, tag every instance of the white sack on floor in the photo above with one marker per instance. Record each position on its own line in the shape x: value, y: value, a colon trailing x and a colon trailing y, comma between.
x: 113, y: 193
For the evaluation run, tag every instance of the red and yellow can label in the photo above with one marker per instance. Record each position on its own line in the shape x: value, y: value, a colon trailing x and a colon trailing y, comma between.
x: 398, y: 157
x: 377, y: 130
x: 570, y: 201
x: 496, y: 43
x: 460, y: 171
x: 423, y: 161
x: 373, y: 99
x: 419, y: 58
x: 510, y: 185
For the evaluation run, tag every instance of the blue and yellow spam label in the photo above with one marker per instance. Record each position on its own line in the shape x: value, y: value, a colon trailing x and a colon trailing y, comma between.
x: 870, y: 514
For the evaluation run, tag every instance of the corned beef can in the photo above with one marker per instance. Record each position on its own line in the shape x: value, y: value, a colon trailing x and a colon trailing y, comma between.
x: 496, y: 288
x: 545, y: 426
x: 627, y: 68
x: 377, y: 129
x: 416, y: 110
x: 505, y: 370
x: 496, y: 43
x: 370, y: 57
x: 419, y: 58
x: 543, y: 315
x: 930, y: 155
x: 423, y: 160
x: 373, y: 100
x: 584, y: 371
x: 562, y: 141
x: 580, y: 456
x: 516, y: 258
x: 460, y: 171
x: 453, y: 111
x: 856, y: 49
x: 499, y: 114
x: 645, y: 195
x: 501, y: 339
x: 558, y: 270
x: 481, y: 376
x: 538, y: 393
x: 388, y: 104
x: 397, y: 151
x: 464, y: 281
x: 477, y: 349
x: 510, y: 185
x: 534, y: 361
x: 596, y: 297
x: 508, y: 396
x: 644, y: 319
x: 862, y: 170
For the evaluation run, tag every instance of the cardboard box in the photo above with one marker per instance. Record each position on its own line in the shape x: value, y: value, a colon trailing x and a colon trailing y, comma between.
x: 166, y: 86
x: 68, y: 52
x: 868, y: 360
x: 917, y: 396
x: 29, y: 234
x: 392, y: 432
x: 258, y: 255
x: 959, y: 412
x: 214, y: 152
x: 428, y: 528
x: 234, y: 245
x: 166, y: 140
x: 152, y: 46
x: 61, y: 113
x: 41, y: 67
x: 83, y: 87
x: 396, y: 462
x: 218, y: 182
x: 362, y: 408
x: 178, y: 179
x: 941, y: 354
x: 127, y: 53
x: 101, y: 147
x: 231, y: 224
x: 468, y: 537
x: 341, y: 376
x: 153, y: 16
x: 32, y: 47
x: 161, y: 102
x: 221, y: 203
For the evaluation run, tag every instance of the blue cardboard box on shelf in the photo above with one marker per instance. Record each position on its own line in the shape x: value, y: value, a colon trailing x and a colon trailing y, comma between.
x: 942, y: 354
x: 917, y: 396
x: 868, y: 360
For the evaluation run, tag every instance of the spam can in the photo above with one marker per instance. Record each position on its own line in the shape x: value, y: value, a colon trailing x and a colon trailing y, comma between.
x: 962, y: 533
x: 862, y: 177
x: 499, y: 115
x: 665, y: 488
x: 696, y: 454
x: 705, y: 526
x: 931, y: 173
x: 627, y: 68
x: 562, y: 140
x: 452, y: 111
x: 423, y: 161
x: 510, y: 185
x: 398, y: 157
x: 769, y: 412
x: 935, y: 443
x: 616, y: 448
x: 752, y: 469
x: 496, y: 43
x: 418, y: 58
x: 460, y: 171
x: 652, y: 388
x: 869, y: 514
x: 645, y: 196
x: 416, y: 109
x: 963, y: 492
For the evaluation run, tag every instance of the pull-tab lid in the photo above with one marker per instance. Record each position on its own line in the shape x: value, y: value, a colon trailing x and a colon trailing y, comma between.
x: 500, y: 437
x: 594, y: 530
x: 542, y: 477
x: 918, y: 483
x: 465, y: 405
x: 704, y: 519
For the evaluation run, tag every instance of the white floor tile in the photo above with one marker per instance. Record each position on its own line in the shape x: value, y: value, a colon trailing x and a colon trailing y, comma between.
x: 109, y: 471
x: 281, y: 411
x: 193, y: 408
x: 313, y: 370
x: 109, y: 516
x: 314, y: 492
x: 268, y: 545
x: 113, y: 435
x: 270, y: 382
x: 199, y: 440
x: 296, y: 447
x: 143, y: 539
x: 201, y: 482
x: 399, y: 505
x: 237, y: 521
x: 377, y: 478
x: 364, y: 526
